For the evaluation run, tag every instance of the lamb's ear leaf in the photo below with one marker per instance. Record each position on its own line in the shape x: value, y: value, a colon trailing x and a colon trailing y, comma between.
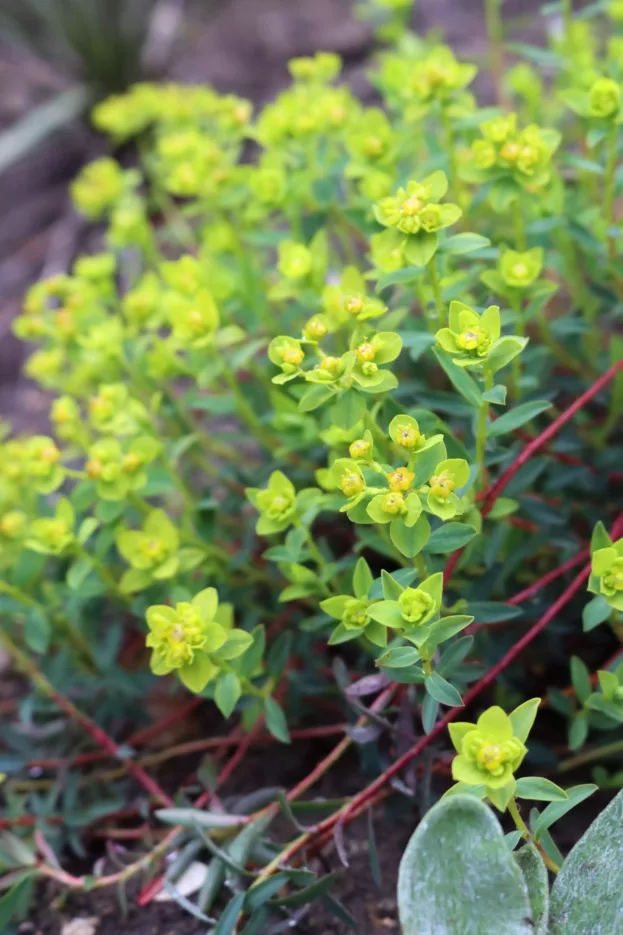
x: 587, y: 895
x: 535, y: 875
x: 458, y: 875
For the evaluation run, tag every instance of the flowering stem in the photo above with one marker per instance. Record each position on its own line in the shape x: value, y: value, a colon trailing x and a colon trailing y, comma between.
x: 434, y: 281
x: 521, y: 826
x: 496, y: 51
x: 451, y: 151
x: 481, y: 430
x: 520, y: 230
x: 520, y: 330
x: 609, y: 184
x: 516, y: 816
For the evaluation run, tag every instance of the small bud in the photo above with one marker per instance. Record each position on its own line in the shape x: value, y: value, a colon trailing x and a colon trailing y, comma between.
x: 365, y: 352
x: 351, y: 484
x: 360, y: 448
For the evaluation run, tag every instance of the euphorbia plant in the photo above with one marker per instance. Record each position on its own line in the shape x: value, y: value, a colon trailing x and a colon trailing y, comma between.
x: 281, y: 449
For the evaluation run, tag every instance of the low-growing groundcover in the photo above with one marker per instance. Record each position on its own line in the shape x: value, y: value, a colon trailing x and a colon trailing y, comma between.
x: 334, y: 452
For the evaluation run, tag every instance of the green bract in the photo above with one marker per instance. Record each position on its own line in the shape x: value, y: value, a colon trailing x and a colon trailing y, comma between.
x: 353, y: 612
x: 607, y: 573
x: 153, y: 552
x: 276, y: 504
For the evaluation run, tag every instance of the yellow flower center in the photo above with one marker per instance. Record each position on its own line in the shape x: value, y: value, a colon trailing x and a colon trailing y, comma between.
x: 94, y: 468
x: 365, y: 353
x: 12, y: 523
x: 152, y: 548
x: 49, y: 454
x: 442, y: 485
x: 400, y: 479
x: 354, y: 305
x: 411, y: 206
x: 490, y: 757
x: 331, y: 364
x: 315, y: 328
x: 359, y: 448
x: 351, y: 484
x: 519, y: 270
x: 394, y: 503
x: 510, y: 152
x: 292, y: 355
x: 131, y: 462
x: 407, y: 436
x: 373, y: 145
x: 472, y: 338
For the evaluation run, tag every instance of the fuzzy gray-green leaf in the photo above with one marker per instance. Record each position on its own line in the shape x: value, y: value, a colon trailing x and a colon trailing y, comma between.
x: 535, y: 875
x: 458, y: 876
x: 587, y: 896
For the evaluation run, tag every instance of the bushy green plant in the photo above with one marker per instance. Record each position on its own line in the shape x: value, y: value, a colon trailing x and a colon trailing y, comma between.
x: 345, y: 407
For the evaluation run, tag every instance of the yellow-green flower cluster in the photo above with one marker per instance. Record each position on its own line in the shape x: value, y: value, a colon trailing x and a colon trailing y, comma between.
x: 507, y: 151
x: 475, y: 340
x: 195, y: 639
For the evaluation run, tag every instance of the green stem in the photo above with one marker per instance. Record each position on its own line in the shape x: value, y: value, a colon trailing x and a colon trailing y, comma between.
x: 519, y: 822
x: 434, y: 281
x: 451, y: 151
x: 609, y: 183
x: 245, y: 411
x: 493, y: 21
x: 525, y: 831
x: 420, y: 564
x: 520, y: 229
x: 103, y: 572
x: 481, y: 432
x: 520, y: 329
x: 77, y: 638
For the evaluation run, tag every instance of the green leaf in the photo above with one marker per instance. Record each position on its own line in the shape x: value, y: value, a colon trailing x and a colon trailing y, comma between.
x: 260, y: 894
x: 362, y: 579
x: 449, y: 538
x: 492, y: 611
x: 459, y: 379
x: 420, y: 248
x: 276, y: 720
x: 229, y: 916
x: 78, y: 572
x: 315, y: 396
x: 443, y: 629
x: 458, y: 876
x: 187, y: 817
x: 348, y: 410
x: 399, y: 657
x: 417, y: 342
x: 595, y: 612
x: 516, y: 417
x: 392, y: 589
x: 459, y: 244
x: 398, y: 277
x: 580, y: 679
x: 37, y: 630
x: 228, y: 691
x: 443, y: 691
x: 496, y: 395
x: 430, y: 710
x: 556, y: 810
x: 16, y: 902
x: 523, y: 717
x: 587, y: 895
x: 539, y: 789
x: 535, y: 876
x: 410, y: 540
